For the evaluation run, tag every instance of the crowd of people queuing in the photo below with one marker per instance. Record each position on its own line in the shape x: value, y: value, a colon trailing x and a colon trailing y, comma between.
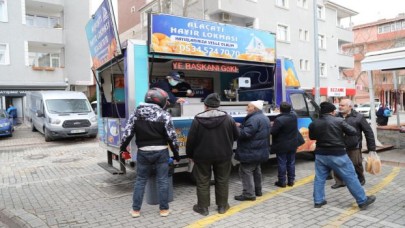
x: 210, y: 147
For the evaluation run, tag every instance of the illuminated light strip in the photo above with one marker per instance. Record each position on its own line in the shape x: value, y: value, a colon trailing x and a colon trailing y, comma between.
x: 247, y: 204
x: 346, y: 215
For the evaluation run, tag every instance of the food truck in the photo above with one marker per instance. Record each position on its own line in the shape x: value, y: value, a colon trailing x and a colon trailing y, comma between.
x: 238, y: 63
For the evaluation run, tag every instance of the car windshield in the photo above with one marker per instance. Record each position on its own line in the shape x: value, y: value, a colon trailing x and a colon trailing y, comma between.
x: 68, y: 106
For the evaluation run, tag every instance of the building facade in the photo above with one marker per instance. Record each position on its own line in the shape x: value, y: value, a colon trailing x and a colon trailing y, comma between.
x: 295, y: 35
x: 379, y: 35
x: 43, y: 46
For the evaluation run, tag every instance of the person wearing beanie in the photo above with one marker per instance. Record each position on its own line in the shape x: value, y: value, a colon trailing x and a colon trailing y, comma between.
x: 330, y: 154
x: 210, y: 145
x: 286, y: 140
x: 253, y: 149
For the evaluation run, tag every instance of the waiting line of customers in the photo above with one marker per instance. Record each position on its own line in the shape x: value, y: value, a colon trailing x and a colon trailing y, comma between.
x: 210, y: 147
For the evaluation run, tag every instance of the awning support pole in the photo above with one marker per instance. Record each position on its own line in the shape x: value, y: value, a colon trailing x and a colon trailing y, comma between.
x: 372, y: 106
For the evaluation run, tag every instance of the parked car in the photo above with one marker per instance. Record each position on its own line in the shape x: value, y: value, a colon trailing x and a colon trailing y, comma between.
x: 365, y: 109
x: 6, y: 124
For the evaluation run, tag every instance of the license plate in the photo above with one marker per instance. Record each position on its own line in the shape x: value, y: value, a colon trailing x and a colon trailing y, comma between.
x: 77, y: 131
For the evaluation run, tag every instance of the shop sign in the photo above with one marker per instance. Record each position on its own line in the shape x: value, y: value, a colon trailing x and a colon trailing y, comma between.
x: 102, y: 35
x: 185, y: 36
x: 211, y: 67
x: 13, y: 92
x: 336, y: 91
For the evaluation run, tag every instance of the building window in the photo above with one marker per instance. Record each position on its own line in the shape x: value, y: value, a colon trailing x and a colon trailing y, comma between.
x: 304, y: 35
x: 322, y: 41
x: 44, y: 59
x: 391, y: 27
x: 4, y: 54
x: 322, y: 69
x: 320, y: 12
x: 283, y: 33
x: 3, y: 11
x: 282, y: 3
x: 304, y: 64
x: 303, y: 3
x: 42, y: 21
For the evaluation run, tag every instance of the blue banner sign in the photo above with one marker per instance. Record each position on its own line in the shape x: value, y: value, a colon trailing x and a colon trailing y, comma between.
x: 102, y: 35
x: 184, y: 36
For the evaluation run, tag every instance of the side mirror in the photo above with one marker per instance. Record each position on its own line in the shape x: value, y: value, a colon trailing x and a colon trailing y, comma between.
x: 39, y: 113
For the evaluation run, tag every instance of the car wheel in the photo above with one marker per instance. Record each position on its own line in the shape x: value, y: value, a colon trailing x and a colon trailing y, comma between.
x: 47, y: 135
x: 33, y: 129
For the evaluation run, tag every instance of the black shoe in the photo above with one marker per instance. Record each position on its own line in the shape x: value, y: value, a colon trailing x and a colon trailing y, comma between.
x: 370, y: 200
x: 200, y: 210
x: 258, y: 192
x: 335, y: 186
x: 363, y: 182
x: 245, y: 198
x: 223, y: 209
x: 319, y: 205
x: 291, y: 183
x: 279, y: 184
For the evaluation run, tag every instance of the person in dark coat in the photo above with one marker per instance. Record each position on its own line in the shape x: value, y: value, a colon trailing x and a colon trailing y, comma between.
x: 354, y: 143
x: 330, y: 154
x: 382, y: 119
x: 286, y: 140
x: 209, y: 144
x: 253, y: 149
x: 172, y: 80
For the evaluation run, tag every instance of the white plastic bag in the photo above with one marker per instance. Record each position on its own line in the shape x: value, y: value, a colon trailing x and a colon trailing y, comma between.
x: 373, y: 163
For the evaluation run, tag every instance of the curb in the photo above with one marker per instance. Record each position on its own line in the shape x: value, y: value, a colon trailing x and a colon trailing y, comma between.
x: 20, y: 218
x: 393, y: 163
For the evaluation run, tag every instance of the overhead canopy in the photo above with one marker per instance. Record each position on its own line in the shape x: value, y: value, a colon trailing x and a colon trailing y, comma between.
x: 390, y: 59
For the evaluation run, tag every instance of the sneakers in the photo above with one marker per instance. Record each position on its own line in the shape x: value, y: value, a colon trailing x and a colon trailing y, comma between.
x: 279, y: 184
x: 370, y: 200
x: 319, y: 205
x: 200, y: 210
x: 164, y: 213
x: 135, y: 214
x: 335, y: 186
x: 245, y: 198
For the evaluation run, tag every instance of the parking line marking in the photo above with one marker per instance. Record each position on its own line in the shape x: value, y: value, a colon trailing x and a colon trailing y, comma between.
x: 247, y: 204
x: 346, y: 215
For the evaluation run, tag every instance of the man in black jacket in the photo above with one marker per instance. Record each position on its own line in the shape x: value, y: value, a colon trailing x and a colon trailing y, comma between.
x: 285, y: 143
x: 209, y: 145
x: 154, y: 130
x: 354, y: 143
x: 330, y: 154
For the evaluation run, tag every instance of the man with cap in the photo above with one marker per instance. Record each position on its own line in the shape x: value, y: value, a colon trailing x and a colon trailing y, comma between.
x: 253, y: 149
x: 182, y: 88
x: 171, y: 80
x: 209, y: 145
x: 330, y: 154
x: 286, y: 140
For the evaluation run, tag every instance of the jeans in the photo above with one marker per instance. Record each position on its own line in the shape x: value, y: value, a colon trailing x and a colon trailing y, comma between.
x: 222, y: 171
x: 341, y: 165
x: 357, y: 159
x: 146, y: 162
x: 251, y: 176
x: 286, y: 167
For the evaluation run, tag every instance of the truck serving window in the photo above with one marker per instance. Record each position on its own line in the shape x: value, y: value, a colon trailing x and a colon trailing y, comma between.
x: 299, y: 104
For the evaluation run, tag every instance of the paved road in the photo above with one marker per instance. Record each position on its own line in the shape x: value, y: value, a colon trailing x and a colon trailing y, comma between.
x: 60, y: 184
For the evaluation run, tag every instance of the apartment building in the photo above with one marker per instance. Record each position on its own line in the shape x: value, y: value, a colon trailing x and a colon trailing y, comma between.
x: 374, y: 36
x: 293, y: 22
x: 43, y: 46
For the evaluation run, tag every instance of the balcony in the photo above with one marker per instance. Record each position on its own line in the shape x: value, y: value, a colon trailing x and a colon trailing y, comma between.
x: 48, y: 5
x: 45, y: 35
x: 226, y: 11
x: 344, y: 34
x: 345, y: 61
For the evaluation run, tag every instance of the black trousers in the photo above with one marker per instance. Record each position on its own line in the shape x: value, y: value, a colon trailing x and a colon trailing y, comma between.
x: 222, y: 171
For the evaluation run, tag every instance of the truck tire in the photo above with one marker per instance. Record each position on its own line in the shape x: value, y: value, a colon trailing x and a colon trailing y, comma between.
x: 47, y: 135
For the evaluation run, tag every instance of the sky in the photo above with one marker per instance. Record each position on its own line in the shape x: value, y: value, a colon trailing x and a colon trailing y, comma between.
x: 373, y: 10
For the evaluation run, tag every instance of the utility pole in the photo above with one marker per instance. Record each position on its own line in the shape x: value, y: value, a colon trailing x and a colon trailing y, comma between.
x: 316, y: 54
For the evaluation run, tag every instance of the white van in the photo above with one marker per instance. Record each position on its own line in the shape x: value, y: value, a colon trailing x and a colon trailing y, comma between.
x: 61, y: 114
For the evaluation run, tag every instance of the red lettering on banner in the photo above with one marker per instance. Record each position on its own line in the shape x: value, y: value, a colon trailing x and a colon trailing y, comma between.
x: 211, y: 67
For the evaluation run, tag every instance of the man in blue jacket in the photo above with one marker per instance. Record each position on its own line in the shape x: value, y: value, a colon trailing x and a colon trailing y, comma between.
x: 12, y: 112
x: 253, y: 149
